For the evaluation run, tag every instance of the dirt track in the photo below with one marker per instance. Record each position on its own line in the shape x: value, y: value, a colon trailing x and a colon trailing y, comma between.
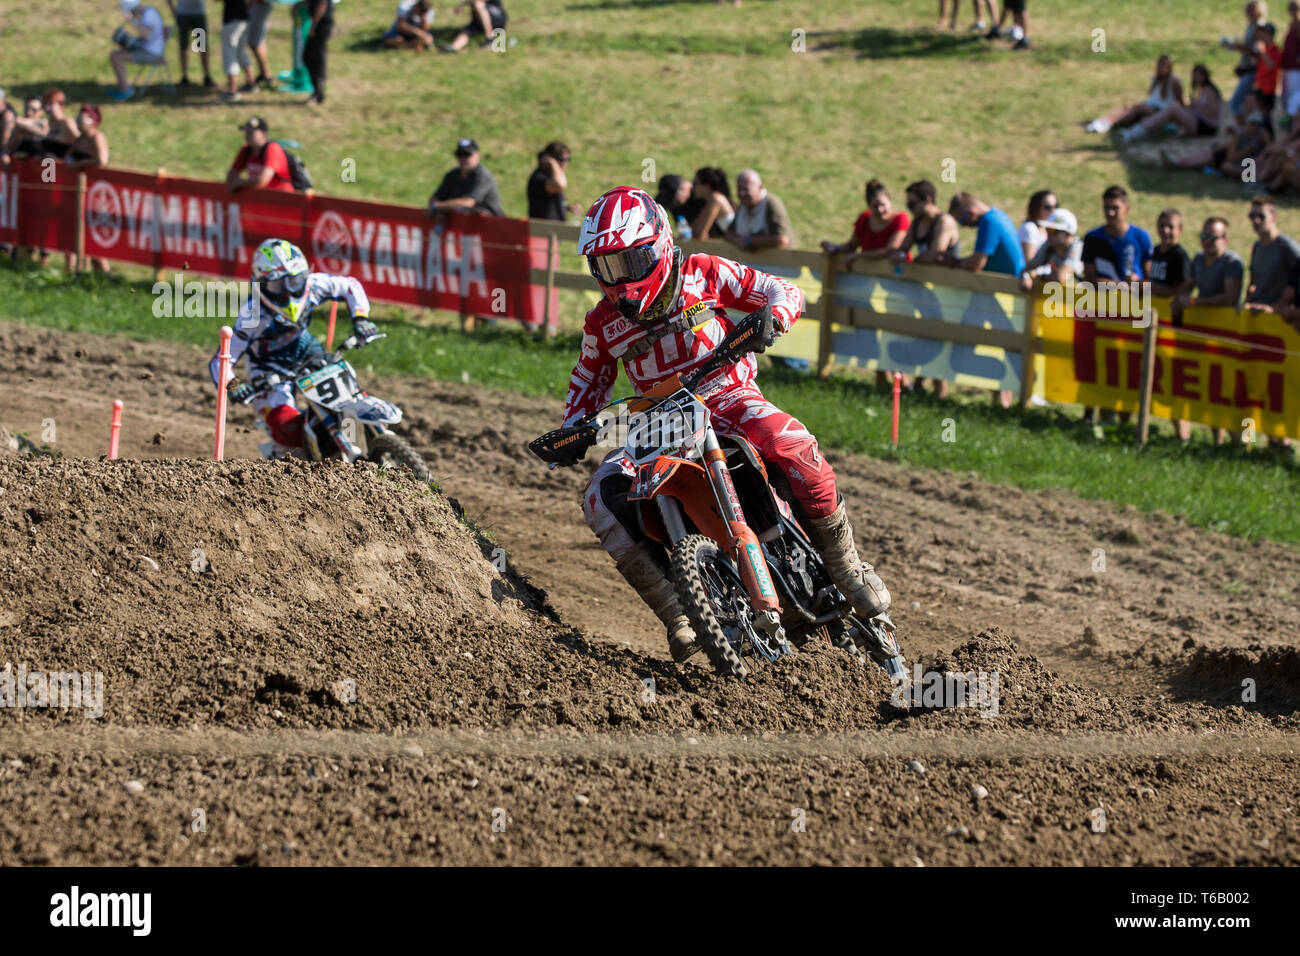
x: 226, y: 690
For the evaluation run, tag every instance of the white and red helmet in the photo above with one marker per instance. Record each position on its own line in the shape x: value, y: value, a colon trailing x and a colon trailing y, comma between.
x: 628, y: 243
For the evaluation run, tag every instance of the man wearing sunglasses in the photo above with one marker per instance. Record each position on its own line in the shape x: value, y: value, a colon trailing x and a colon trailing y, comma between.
x: 271, y: 334
x: 1272, y: 259
x: 467, y: 188
x: 1217, y: 271
x: 662, y: 314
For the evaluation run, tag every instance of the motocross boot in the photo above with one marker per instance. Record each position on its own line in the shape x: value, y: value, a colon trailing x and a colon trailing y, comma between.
x: 833, y: 538
x: 642, y: 571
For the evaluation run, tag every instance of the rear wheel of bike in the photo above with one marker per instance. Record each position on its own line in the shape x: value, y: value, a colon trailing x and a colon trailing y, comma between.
x: 392, y: 451
x: 714, y: 598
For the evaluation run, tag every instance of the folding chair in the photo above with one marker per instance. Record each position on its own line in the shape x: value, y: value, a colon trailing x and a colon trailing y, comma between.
x: 155, y: 67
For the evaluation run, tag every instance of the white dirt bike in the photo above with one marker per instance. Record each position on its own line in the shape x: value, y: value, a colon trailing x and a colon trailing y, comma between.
x: 341, y: 421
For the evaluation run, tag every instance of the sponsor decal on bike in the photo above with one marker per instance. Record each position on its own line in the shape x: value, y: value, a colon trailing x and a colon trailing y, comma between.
x: 760, y: 570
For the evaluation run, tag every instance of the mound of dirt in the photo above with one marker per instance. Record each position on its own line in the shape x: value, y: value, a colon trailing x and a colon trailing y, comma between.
x: 304, y: 595
x: 296, y: 594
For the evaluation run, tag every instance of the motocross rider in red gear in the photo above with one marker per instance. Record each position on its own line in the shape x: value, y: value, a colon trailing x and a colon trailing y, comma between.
x: 662, y: 314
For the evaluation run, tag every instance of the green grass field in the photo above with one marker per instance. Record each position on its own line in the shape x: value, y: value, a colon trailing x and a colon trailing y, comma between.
x: 643, y: 88
x: 877, y: 92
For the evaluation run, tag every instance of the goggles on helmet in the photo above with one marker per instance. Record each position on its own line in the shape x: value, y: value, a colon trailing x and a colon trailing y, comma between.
x: 629, y: 265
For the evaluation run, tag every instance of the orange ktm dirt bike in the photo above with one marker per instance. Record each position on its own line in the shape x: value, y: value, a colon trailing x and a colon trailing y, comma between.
x: 749, y: 579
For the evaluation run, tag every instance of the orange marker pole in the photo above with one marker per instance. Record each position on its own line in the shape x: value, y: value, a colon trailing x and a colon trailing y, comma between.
x: 114, y: 429
x: 223, y: 377
x: 329, y: 333
x: 898, y: 389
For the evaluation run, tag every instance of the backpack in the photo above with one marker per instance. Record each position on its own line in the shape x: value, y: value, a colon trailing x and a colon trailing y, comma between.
x: 299, y: 178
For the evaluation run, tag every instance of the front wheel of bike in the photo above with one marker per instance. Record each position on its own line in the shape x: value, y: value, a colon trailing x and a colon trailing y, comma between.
x: 392, y: 451
x: 714, y: 598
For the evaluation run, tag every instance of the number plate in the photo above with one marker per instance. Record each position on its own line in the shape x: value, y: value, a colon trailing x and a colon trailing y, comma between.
x: 672, y: 427
x: 308, y: 382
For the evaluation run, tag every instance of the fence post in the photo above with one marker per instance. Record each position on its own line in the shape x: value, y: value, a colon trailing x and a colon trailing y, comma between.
x: 79, y: 244
x: 1148, y: 376
x: 1029, y: 354
x: 551, y: 247
x: 159, y: 273
x: 824, y: 330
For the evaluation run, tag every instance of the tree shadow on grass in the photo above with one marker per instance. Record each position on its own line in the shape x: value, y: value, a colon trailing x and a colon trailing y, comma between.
x: 880, y: 43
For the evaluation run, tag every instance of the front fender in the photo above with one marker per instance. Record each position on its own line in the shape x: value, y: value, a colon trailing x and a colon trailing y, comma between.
x: 370, y: 410
x: 688, y: 482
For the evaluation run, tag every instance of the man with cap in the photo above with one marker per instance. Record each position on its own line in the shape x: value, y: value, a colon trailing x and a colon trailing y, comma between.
x: 148, y: 47
x: 260, y: 163
x: 467, y: 188
x: 1060, y: 257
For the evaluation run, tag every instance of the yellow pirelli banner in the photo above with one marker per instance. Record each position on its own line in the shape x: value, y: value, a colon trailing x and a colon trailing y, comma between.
x: 1223, y: 368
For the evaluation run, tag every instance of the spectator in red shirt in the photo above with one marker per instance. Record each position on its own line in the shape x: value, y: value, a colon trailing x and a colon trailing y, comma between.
x: 260, y: 163
x: 879, y: 232
x: 1268, y: 62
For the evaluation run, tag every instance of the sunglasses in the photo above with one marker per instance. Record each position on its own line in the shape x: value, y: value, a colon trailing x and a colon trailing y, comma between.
x: 1257, y: 217
x: 1209, y: 236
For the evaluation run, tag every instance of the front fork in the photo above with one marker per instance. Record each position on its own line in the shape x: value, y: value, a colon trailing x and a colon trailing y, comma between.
x: 344, y: 434
x: 743, y: 544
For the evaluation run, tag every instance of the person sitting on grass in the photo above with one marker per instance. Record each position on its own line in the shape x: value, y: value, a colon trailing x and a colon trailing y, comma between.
x: 878, y: 233
x: 1165, y: 90
x: 148, y: 46
x: 1200, y: 118
x: 1231, y: 159
x: 488, y: 16
x: 1278, y: 167
x: 410, y: 29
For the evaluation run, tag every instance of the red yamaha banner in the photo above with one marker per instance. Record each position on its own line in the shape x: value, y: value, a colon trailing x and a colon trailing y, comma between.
x: 38, y: 205
x: 184, y: 224
x: 472, y: 264
x: 466, y: 263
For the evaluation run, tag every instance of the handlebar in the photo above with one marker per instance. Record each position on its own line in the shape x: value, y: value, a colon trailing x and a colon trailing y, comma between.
x: 569, y: 445
x: 268, y: 382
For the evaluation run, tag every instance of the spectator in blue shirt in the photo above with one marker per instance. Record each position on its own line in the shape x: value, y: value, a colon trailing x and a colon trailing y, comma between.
x: 997, y: 249
x: 1117, y: 251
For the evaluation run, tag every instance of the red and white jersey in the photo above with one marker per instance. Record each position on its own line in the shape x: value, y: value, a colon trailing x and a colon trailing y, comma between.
x: 710, y: 285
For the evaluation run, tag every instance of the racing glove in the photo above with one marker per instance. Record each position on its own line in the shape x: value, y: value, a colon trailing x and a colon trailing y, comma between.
x: 240, y: 392
x: 767, y: 333
x: 364, y: 329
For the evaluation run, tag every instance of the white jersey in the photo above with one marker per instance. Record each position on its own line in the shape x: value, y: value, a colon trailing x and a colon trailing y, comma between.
x: 262, y: 330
